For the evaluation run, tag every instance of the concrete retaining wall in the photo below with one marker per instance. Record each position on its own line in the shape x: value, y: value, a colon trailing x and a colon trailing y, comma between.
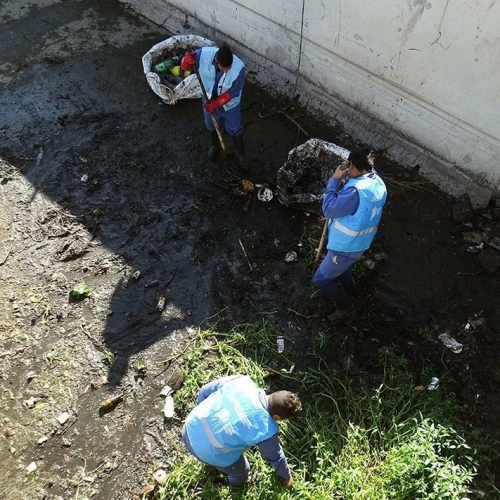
x: 417, y: 78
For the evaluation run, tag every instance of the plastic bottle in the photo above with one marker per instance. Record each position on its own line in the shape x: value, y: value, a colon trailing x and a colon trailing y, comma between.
x: 166, y: 65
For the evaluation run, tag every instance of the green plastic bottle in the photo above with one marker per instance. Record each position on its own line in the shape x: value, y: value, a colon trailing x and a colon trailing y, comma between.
x: 167, y: 65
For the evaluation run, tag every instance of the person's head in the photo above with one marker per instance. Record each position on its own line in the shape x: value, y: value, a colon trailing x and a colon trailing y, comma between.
x: 224, y: 58
x: 360, y: 161
x: 284, y: 404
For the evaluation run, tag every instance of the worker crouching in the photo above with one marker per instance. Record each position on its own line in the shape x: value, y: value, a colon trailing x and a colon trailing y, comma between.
x: 223, y: 75
x: 232, y: 415
x: 353, y: 212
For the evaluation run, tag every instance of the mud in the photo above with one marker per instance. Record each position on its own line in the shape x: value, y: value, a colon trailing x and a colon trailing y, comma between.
x: 75, y: 102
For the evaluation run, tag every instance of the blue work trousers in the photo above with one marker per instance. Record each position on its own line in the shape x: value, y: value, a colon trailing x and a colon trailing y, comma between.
x: 230, y: 119
x: 334, y: 275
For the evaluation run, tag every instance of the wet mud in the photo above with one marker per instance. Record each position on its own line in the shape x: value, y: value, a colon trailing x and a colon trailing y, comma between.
x: 99, y: 179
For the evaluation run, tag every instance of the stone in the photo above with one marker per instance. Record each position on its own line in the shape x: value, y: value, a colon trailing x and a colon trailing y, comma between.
x: 490, y: 260
x: 461, y: 209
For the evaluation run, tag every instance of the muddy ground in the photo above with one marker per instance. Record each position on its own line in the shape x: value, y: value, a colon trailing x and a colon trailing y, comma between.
x: 75, y: 102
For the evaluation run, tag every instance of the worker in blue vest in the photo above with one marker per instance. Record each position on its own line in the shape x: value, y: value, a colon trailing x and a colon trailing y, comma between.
x: 232, y: 415
x: 353, y: 214
x: 223, y: 75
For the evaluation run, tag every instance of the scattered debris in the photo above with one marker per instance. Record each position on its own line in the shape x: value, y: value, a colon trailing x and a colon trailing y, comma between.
x: 110, y: 404
x: 30, y: 403
x: 461, y: 209
x: 370, y: 264
x: 434, y: 384
x: 39, y: 157
x: 477, y: 323
x: 490, y: 260
x: 381, y: 256
x: 136, y: 275
x: 451, y: 343
x: 30, y: 376
x: 280, y: 342
x: 291, y: 257
x: 472, y: 237
x: 265, y: 194
x: 248, y: 186
x: 42, y: 440
x: 161, y: 303
x: 475, y: 248
x: 160, y: 476
x: 169, y: 409
x: 80, y: 292
x: 151, y: 284
x: 166, y: 391
x: 250, y: 265
x: 31, y: 467
x: 63, y: 417
x: 84, y: 178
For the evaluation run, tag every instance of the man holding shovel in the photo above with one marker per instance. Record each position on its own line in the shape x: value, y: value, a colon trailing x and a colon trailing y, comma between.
x: 223, y: 77
x: 353, y: 213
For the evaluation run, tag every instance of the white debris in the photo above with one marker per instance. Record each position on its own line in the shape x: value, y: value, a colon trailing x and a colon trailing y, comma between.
x: 291, y: 257
x: 168, y: 410
x: 434, y: 384
x: 265, y: 194
x: 31, y: 467
x: 451, y: 343
x: 43, y: 439
x: 63, y: 417
x: 166, y: 391
x: 160, y: 476
x: 84, y: 178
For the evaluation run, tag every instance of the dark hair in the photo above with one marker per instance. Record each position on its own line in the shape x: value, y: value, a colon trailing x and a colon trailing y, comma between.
x: 362, y: 159
x: 224, y: 56
x: 285, y: 404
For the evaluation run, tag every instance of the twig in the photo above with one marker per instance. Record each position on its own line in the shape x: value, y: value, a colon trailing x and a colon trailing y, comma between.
x: 246, y: 255
x: 6, y: 257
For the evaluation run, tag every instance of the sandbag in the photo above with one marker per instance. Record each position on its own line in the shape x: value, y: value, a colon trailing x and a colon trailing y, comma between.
x: 302, y: 180
x: 188, y: 88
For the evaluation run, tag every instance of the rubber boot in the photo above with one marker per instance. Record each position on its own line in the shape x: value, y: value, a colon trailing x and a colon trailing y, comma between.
x: 215, y: 148
x: 239, y: 149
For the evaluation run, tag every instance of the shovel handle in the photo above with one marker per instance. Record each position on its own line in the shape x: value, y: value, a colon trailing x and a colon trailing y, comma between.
x: 320, y: 247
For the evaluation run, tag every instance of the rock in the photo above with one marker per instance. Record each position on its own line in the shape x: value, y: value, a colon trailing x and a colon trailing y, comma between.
x: 175, y: 378
x: 30, y: 403
x: 42, y: 440
x: 461, y: 209
x: 31, y: 467
x: 63, y: 417
x: 490, y: 260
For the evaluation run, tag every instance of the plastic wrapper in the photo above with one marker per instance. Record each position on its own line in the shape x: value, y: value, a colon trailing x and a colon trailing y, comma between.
x: 188, y: 88
x: 302, y: 180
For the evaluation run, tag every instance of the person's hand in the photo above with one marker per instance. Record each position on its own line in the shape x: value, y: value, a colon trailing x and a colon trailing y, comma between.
x: 188, y: 60
x: 288, y: 483
x: 218, y: 102
x: 341, y: 171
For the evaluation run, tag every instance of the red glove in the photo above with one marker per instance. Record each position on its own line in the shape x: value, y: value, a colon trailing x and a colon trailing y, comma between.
x: 218, y: 102
x: 188, y: 61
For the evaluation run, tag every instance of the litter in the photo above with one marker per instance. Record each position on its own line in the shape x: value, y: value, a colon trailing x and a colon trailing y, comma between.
x: 166, y: 391
x: 248, y: 186
x: 291, y: 257
x: 160, y: 476
x: 84, y: 178
x: 110, y: 404
x: 31, y: 467
x: 280, y: 342
x: 161, y: 304
x: 42, y: 440
x: 171, y: 92
x: 370, y: 264
x: 475, y: 248
x: 136, y: 275
x: 451, y: 343
x: 152, y: 283
x: 63, y: 417
x: 434, y: 384
x: 265, y: 194
x: 168, y: 409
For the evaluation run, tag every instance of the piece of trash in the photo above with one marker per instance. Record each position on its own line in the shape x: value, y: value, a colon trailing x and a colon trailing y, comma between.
x: 84, y: 178
x: 160, y: 476
x: 110, y: 404
x: 248, y: 186
x: 30, y: 403
x: 80, y: 291
x: 63, y: 417
x: 151, y: 283
x: 434, y: 384
x: 419, y: 388
x: 136, y: 275
x: 168, y: 410
x: 97, y: 212
x: 161, y: 304
x: 475, y: 248
x: 370, y: 264
x: 380, y: 256
x: 280, y: 342
x: 12, y: 450
x: 291, y: 257
x: 42, y: 440
x: 265, y: 194
x: 291, y: 369
x: 451, y: 343
x: 31, y: 467
x: 166, y: 391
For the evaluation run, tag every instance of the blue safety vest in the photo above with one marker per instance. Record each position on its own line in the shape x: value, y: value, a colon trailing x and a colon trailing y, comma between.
x: 208, y: 73
x: 229, y: 421
x: 355, y: 233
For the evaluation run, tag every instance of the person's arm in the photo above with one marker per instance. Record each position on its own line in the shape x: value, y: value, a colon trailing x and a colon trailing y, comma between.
x: 213, y: 386
x: 339, y: 204
x: 237, y: 86
x: 272, y: 452
x: 191, y: 60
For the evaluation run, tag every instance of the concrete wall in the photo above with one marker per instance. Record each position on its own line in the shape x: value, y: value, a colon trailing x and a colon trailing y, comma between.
x: 420, y: 79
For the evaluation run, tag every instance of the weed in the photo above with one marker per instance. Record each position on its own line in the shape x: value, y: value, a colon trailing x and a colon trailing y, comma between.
x: 354, y: 441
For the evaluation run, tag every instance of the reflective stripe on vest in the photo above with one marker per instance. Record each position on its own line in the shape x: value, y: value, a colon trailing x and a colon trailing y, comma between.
x: 229, y: 421
x: 355, y: 233
x: 208, y: 73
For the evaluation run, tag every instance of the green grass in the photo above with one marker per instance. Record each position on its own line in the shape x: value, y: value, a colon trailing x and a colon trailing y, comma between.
x: 355, y: 440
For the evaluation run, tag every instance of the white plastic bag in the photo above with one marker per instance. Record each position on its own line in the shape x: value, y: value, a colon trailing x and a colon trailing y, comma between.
x: 189, y: 88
